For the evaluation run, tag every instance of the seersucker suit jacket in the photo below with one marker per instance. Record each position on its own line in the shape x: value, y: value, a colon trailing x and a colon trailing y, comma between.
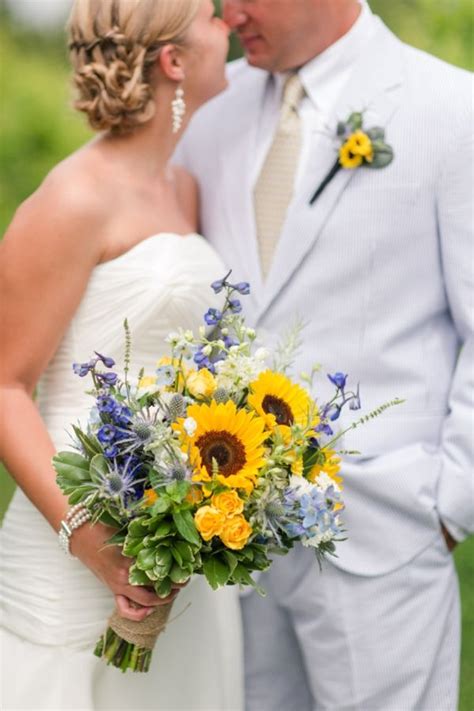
x: 380, y: 269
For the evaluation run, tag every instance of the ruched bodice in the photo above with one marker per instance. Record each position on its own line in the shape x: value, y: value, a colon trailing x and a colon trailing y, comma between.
x: 162, y: 283
x: 53, y: 608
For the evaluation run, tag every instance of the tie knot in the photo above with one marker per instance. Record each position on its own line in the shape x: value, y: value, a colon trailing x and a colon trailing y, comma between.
x: 293, y: 92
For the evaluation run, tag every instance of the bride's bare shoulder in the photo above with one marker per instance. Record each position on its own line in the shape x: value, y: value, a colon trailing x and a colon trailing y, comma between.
x: 70, y: 202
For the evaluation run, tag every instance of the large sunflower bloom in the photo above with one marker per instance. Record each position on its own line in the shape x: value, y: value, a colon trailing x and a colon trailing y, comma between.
x: 231, y: 438
x: 281, y: 402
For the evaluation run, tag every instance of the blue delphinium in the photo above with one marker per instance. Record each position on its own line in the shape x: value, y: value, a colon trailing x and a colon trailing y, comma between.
x: 310, y: 513
x: 235, y: 306
x: 339, y: 380
x: 243, y: 287
x: 106, y: 360
x: 83, y: 369
x: 106, y: 379
x: 106, y: 434
x: 213, y: 317
x: 106, y: 404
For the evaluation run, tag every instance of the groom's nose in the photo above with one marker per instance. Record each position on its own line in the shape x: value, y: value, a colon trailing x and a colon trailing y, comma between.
x: 233, y: 13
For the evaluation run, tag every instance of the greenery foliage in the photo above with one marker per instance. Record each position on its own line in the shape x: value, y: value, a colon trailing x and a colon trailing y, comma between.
x: 39, y: 128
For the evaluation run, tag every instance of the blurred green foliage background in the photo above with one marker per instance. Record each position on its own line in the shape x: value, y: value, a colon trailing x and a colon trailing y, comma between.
x: 38, y: 128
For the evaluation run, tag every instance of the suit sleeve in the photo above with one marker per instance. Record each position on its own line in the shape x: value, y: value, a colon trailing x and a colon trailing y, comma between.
x: 455, y: 224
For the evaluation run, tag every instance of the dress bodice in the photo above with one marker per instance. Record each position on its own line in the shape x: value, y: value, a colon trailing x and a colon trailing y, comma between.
x: 160, y: 284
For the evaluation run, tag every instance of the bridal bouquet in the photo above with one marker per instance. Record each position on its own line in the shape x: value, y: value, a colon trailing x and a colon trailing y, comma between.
x: 208, y: 466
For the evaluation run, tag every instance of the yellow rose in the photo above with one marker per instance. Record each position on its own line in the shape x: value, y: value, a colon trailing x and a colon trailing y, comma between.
x: 236, y: 532
x: 209, y: 522
x: 229, y: 502
x: 201, y: 383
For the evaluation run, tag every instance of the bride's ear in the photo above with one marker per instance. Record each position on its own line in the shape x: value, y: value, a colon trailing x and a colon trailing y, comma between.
x: 170, y: 61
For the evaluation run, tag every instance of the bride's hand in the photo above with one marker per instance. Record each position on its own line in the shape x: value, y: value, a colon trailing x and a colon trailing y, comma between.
x: 88, y: 543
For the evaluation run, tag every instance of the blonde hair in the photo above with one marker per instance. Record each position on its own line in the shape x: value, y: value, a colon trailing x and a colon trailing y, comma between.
x: 113, y: 46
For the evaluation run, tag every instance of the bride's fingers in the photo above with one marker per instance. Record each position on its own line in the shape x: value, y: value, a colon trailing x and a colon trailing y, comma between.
x: 145, y: 597
x: 127, y: 609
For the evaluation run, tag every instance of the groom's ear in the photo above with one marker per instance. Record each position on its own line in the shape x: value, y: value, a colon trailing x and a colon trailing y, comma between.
x: 171, y: 63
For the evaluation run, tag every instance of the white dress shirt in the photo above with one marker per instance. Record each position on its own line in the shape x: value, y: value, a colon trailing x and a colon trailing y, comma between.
x: 323, y: 78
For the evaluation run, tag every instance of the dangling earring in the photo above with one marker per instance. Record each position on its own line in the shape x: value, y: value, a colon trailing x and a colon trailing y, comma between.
x: 178, y: 109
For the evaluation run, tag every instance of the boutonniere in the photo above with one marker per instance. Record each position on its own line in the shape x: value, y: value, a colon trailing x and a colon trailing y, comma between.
x: 358, y: 148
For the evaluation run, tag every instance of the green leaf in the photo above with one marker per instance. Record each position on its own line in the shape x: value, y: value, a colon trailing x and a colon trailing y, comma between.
x: 138, y: 528
x: 185, y: 551
x: 161, y: 505
x: 383, y: 155
x: 163, y: 562
x: 72, y: 469
x: 377, y: 133
x: 117, y: 539
x: 178, y: 575
x: 163, y: 588
x: 98, y: 468
x: 310, y: 458
x: 177, y: 556
x: 163, y: 529
x: 216, y: 571
x: 90, y: 444
x: 241, y: 575
x: 146, y: 559
x: 178, y: 490
x: 355, y: 120
x: 185, y: 524
x: 231, y: 560
x: 132, y: 546
x: 77, y: 494
x: 137, y: 576
x: 109, y: 520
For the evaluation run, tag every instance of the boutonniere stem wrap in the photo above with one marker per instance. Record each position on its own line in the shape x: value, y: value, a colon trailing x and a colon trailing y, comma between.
x: 358, y: 148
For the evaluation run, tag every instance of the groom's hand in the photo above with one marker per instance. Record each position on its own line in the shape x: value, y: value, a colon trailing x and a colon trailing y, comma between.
x: 450, y: 541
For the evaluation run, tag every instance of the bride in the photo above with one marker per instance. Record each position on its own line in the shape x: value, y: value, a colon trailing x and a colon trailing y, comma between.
x: 110, y: 234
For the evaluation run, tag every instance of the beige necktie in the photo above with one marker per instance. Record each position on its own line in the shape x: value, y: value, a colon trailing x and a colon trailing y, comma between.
x: 275, y: 184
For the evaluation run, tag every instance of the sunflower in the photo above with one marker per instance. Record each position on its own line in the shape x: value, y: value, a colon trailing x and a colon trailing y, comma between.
x: 361, y: 145
x: 331, y: 467
x: 281, y: 402
x: 229, y: 438
x: 347, y: 158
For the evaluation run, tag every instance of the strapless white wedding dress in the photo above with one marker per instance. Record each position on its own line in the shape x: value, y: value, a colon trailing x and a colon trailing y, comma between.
x: 53, y: 608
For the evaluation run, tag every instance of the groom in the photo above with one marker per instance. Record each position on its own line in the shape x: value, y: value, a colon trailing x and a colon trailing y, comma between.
x: 379, y: 267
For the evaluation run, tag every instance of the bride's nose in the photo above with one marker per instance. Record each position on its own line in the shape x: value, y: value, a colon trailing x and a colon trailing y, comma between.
x: 233, y: 14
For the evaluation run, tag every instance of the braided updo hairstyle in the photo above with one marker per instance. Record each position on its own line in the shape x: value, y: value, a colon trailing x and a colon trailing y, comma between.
x: 113, y: 47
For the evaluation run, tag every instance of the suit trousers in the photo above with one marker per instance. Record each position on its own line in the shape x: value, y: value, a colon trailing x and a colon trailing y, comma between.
x: 330, y: 640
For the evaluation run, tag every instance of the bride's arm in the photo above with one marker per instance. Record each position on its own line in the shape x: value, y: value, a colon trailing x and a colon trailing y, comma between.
x: 46, y: 260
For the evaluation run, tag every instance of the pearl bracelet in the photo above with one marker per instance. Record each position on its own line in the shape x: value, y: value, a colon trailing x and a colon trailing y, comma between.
x: 75, y: 517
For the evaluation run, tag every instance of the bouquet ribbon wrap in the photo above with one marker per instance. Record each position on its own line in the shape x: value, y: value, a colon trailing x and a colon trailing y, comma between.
x: 144, y: 633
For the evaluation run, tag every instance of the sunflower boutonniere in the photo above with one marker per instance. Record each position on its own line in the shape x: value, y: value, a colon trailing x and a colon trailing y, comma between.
x: 358, y: 147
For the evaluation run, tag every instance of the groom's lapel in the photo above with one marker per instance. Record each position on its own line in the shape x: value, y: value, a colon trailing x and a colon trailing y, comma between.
x: 237, y: 141
x: 373, y: 85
